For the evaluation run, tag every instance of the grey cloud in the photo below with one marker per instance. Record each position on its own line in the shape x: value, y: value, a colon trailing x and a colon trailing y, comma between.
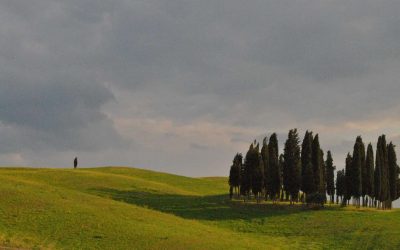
x: 68, y: 68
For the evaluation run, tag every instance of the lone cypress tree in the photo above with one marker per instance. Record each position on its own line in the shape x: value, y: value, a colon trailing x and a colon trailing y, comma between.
x: 393, y: 173
x: 369, y: 167
x: 307, y: 170
x: 292, y: 166
x: 265, y: 159
x: 330, y: 176
x: 275, y: 172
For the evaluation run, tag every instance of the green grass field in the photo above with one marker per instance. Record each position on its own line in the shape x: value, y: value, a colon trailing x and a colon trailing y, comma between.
x: 127, y: 208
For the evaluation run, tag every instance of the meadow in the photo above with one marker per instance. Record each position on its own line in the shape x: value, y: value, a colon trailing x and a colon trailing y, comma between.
x: 128, y: 208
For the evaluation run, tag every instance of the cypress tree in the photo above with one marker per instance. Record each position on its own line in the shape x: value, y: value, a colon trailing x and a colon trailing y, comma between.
x: 348, y: 187
x: 307, y: 172
x: 356, y: 171
x: 330, y: 176
x: 364, y: 179
x: 234, y: 174
x: 292, y: 166
x: 317, y: 164
x: 369, y: 182
x: 378, y: 174
x: 382, y: 190
x: 393, y: 173
x: 265, y: 159
x: 322, y: 186
x: 385, y: 189
x: 258, y: 177
x: 340, y: 185
x: 248, y: 171
x: 275, y: 172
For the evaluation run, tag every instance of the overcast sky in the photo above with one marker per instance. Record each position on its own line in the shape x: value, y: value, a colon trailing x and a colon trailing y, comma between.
x: 182, y: 85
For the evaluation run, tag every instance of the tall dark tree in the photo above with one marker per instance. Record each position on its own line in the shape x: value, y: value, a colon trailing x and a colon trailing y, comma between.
x: 247, y: 172
x: 340, y: 185
x: 322, y: 186
x: 330, y: 176
x: 317, y: 160
x: 258, y: 177
x: 265, y: 159
x: 393, y: 172
x: 307, y: 170
x: 292, y: 166
x: 274, y: 168
x: 382, y: 168
x: 234, y: 174
x: 368, y: 184
x: 364, y: 179
x: 349, y: 184
x: 355, y: 174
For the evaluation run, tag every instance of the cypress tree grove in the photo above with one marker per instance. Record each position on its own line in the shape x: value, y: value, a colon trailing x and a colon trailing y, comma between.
x: 330, y: 176
x: 307, y: 170
x: 292, y: 166
x: 265, y: 159
x: 234, y: 173
x: 377, y: 174
x: 369, y: 182
x: 275, y: 172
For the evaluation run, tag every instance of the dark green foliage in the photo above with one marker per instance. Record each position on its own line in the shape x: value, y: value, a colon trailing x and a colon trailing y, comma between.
x: 265, y: 160
x: 248, y: 171
x: 340, y: 184
x: 322, y: 186
x: 317, y: 160
x: 316, y: 199
x: 275, y: 172
x: 292, y: 165
x: 393, y: 172
x: 368, y: 184
x: 234, y: 173
x: 258, y: 177
x: 355, y: 174
x: 330, y: 176
x: 349, y: 185
x: 382, y: 190
x: 307, y: 170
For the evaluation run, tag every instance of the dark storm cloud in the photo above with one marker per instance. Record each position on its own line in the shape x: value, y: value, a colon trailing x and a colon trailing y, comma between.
x: 71, y: 72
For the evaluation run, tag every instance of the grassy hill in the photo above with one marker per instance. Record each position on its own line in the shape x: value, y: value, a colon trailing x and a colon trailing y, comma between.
x: 126, y: 208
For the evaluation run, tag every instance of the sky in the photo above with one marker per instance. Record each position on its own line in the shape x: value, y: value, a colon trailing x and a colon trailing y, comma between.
x: 180, y: 86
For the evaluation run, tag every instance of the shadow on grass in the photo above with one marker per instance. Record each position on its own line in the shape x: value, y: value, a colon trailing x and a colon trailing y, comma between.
x: 212, y: 208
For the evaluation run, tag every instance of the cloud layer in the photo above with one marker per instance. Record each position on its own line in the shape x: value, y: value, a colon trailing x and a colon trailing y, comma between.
x: 181, y: 85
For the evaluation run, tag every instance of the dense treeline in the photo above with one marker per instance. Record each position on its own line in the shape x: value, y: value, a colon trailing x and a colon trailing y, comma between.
x: 301, y: 174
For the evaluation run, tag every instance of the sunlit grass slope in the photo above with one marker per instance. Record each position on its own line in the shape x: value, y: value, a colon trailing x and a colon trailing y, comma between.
x: 127, y: 208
